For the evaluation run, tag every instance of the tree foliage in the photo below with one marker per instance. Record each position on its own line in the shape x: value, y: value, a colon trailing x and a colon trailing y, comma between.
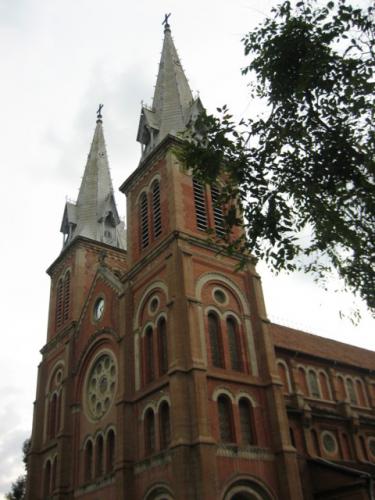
x: 18, y: 487
x: 304, y: 170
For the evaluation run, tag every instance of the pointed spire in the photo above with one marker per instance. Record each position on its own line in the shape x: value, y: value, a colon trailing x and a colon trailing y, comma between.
x: 95, y: 215
x: 173, y: 102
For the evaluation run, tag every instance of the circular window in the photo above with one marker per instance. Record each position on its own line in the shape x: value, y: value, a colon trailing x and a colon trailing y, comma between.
x: 100, y: 386
x: 99, y: 309
x: 220, y: 296
x: 153, y: 305
x: 329, y: 442
x: 371, y: 445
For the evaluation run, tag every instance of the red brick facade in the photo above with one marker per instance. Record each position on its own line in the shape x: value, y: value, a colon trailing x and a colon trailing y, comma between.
x: 165, y: 380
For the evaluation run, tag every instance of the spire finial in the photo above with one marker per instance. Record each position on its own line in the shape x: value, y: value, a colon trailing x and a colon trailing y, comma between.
x: 166, y: 23
x: 99, y: 113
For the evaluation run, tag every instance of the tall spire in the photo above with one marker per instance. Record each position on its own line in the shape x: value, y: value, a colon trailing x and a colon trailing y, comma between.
x: 173, y: 103
x: 95, y: 215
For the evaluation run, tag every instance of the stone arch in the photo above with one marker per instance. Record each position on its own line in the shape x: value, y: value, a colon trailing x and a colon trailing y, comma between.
x: 207, y: 277
x: 222, y: 391
x: 164, y: 399
x: 245, y: 311
x: 156, y: 177
x: 159, y: 491
x: 151, y: 405
x: 247, y: 488
x: 152, y: 287
x: 247, y: 396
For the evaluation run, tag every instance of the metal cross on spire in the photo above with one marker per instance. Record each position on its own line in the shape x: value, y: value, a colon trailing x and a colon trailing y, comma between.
x: 99, y: 112
x: 166, y: 18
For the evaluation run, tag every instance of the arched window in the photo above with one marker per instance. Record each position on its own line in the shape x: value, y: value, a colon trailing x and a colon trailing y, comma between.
x: 324, y: 384
x: 284, y: 375
x: 292, y: 438
x: 351, y: 391
x: 156, y: 211
x: 110, y: 451
x: 363, y: 448
x: 200, y: 205
x: 59, y: 302
x: 315, y: 442
x: 47, y: 479
x: 162, y: 346
x: 313, y: 384
x: 360, y: 392
x: 52, y: 416
x: 143, y: 217
x: 246, y: 421
x: 149, y: 355
x: 217, y: 211
x: 165, y: 426
x: 234, y: 344
x: 88, y: 461
x: 149, y: 430
x: 99, y: 448
x: 225, y: 419
x: 215, y: 340
x: 341, y: 393
x: 66, y: 303
x: 302, y: 381
x: 54, y: 474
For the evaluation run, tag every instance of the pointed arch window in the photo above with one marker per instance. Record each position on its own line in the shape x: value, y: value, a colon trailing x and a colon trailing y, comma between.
x: 143, y: 219
x: 52, y: 424
x: 234, y: 344
x: 149, y: 432
x: 88, y: 461
x: 54, y: 474
x: 162, y: 346
x: 149, y: 355
x: 165, y: 429
x: 246, y: 421
x: 226, y: 428
x: 200, y: 205
x: 99, y: 448
x: 217, y: 211
x: 47, y: 479
x: 215, y: 340
x: 110, y: 451
x: 156, y: 210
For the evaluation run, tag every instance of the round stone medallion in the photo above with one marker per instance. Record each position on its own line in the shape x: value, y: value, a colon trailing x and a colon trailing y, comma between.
x: 100, y: 386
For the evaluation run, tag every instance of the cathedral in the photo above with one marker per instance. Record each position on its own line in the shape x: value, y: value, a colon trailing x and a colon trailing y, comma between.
x: 161, y: 377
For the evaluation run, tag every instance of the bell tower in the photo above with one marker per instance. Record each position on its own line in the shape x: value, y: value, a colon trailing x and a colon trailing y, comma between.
x: 158, y: 379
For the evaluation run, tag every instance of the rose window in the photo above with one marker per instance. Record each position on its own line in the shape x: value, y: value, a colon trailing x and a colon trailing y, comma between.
x: 101, y: 386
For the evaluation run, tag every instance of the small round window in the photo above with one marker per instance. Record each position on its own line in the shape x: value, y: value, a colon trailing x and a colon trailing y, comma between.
x: 220, y: 296
x: 329, y: 442
x: 371, y: 445
x: 153, y: 305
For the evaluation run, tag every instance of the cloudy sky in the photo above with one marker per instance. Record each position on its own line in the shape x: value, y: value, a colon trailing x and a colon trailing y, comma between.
x: 59, y: 60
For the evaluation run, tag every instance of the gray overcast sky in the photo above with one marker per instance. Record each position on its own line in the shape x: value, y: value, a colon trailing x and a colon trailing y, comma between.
x: 59, y: 59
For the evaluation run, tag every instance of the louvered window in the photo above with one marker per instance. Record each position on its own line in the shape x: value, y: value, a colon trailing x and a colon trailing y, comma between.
x: 163, y: 347
x: 156, y: 211
x: 218, y: 211
x: 149, y: 355
x: 225, y: 419
x: 59, y: 302
x: 215, y: 341
x: 144, y: 220
x: 165, y: 431
x: 234, y: 345
x: 149, y: 432
x: 66, y: 303
x: 246, y: 421
x: 200, y: 205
